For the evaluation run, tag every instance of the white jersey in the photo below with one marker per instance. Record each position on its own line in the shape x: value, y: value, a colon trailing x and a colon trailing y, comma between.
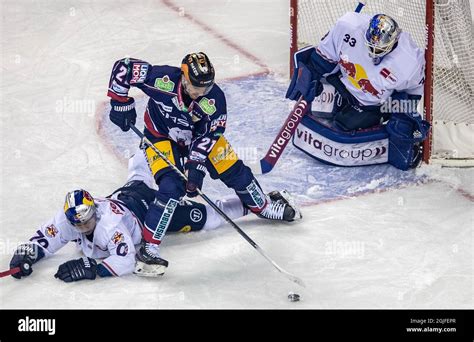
x: 400, y: 70
x: 114, y: 239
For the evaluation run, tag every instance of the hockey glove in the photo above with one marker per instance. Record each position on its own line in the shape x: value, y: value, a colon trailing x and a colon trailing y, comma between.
x: 123, y: 113
x: 195, y: 172
x: 25, y: 256
x: 335, y: 80
x: 304, y: 83
x: 74, y: 270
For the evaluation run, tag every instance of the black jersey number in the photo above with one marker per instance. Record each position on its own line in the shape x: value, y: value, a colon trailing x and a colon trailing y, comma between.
x: 40, y: 239
x: 351, y: 41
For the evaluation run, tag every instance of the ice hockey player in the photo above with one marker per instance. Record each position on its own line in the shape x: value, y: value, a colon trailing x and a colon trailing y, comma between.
x: 185, y: 118
x: 109, y: 228
x: 369, y: 61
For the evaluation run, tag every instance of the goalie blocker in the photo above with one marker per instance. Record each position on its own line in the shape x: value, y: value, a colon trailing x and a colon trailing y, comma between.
x: 398, y: 142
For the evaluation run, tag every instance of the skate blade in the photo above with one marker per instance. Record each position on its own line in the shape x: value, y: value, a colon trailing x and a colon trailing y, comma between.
x: 290, y: 200
x: 146, y: 270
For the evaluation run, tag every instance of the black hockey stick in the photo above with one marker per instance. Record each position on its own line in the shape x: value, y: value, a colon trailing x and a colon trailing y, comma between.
x: 288, y: 275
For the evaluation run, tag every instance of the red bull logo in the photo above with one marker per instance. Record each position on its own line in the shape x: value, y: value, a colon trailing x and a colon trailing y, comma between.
x: 51, y: 231
x: 357, y: 75
x: 117, y: 238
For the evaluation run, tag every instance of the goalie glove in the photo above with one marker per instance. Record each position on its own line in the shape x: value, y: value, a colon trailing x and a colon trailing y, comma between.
x: 304, y: 83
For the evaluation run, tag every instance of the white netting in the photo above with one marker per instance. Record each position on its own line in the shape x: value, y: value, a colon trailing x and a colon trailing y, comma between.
x: 453, y: 72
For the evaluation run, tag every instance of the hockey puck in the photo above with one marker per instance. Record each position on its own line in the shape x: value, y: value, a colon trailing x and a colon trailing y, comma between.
x: 293, y: 297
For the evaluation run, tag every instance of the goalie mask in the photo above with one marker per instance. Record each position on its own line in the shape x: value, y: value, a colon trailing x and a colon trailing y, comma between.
x: 198, y: 74
x: 381, y: 36
x: 80, y: 210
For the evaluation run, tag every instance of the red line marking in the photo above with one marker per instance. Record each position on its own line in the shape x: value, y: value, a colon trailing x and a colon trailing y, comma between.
x: 466, y: 194
x: 217, y: 35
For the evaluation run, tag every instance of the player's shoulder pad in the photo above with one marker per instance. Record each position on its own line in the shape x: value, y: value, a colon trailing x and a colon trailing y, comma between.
x: 61, y: 227
x: 108, y: 216
x: 110, y: 229
x: 213, y: 103
x: 165, y: 77
x: 352, y: 20
x: 410, y: 49
x: 412, y: 56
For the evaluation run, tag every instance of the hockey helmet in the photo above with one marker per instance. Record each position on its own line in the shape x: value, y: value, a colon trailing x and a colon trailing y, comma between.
x: 80, y: 210
x: 198, y: 74
x: 381, y: 36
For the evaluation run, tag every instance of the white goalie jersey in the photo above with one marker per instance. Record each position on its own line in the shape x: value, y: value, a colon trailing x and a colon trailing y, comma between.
x: 401, y: 70
x: 114, y: 238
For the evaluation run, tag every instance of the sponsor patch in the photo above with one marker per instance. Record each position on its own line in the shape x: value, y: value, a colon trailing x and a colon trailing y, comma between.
x: 195, y: 215
x: 222, y: 155
x: 165, y: 219
x: 256, y: 193
x: 344, y: 154
x: 117, y: 88
x: 208, y: 105
x: 219, y: 122
x: 139, y: 72
x: 164, y: 84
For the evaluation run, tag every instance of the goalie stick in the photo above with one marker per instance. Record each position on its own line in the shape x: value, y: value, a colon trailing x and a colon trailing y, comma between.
x: 287, y: 131
x: 288, y: 275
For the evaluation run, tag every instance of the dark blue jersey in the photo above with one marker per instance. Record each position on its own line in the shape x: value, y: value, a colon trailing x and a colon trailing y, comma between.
x: 171, y: 113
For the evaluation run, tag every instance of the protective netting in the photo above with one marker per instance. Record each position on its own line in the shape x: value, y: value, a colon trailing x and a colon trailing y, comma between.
x: 453, y: 72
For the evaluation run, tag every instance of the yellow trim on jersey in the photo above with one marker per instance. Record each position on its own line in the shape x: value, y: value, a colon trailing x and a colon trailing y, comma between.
x: 222, y: 155
x: 156, y: 163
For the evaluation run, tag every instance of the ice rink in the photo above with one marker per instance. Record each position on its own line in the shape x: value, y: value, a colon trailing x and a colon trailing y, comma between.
x: 371, y: 237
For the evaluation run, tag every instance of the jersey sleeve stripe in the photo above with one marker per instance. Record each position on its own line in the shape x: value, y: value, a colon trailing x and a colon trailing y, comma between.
x: 325, y: 57
x: 109, y: 268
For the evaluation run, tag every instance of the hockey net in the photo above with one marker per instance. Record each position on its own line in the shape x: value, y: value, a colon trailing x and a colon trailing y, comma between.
x: 444, y: 28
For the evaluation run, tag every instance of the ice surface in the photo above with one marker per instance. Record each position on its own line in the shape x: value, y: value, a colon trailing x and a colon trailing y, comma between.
x: 371, y: 237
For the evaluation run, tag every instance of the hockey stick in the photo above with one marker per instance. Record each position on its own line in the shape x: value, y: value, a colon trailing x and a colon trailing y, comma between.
x: 288, y: 275
x: 10, y: 272
x: 287, y: 131
x: 276, y: 149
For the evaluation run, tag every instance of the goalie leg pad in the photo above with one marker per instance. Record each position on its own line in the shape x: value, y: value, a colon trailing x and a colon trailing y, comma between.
x: 333, y: 146
x: 406, y: 134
